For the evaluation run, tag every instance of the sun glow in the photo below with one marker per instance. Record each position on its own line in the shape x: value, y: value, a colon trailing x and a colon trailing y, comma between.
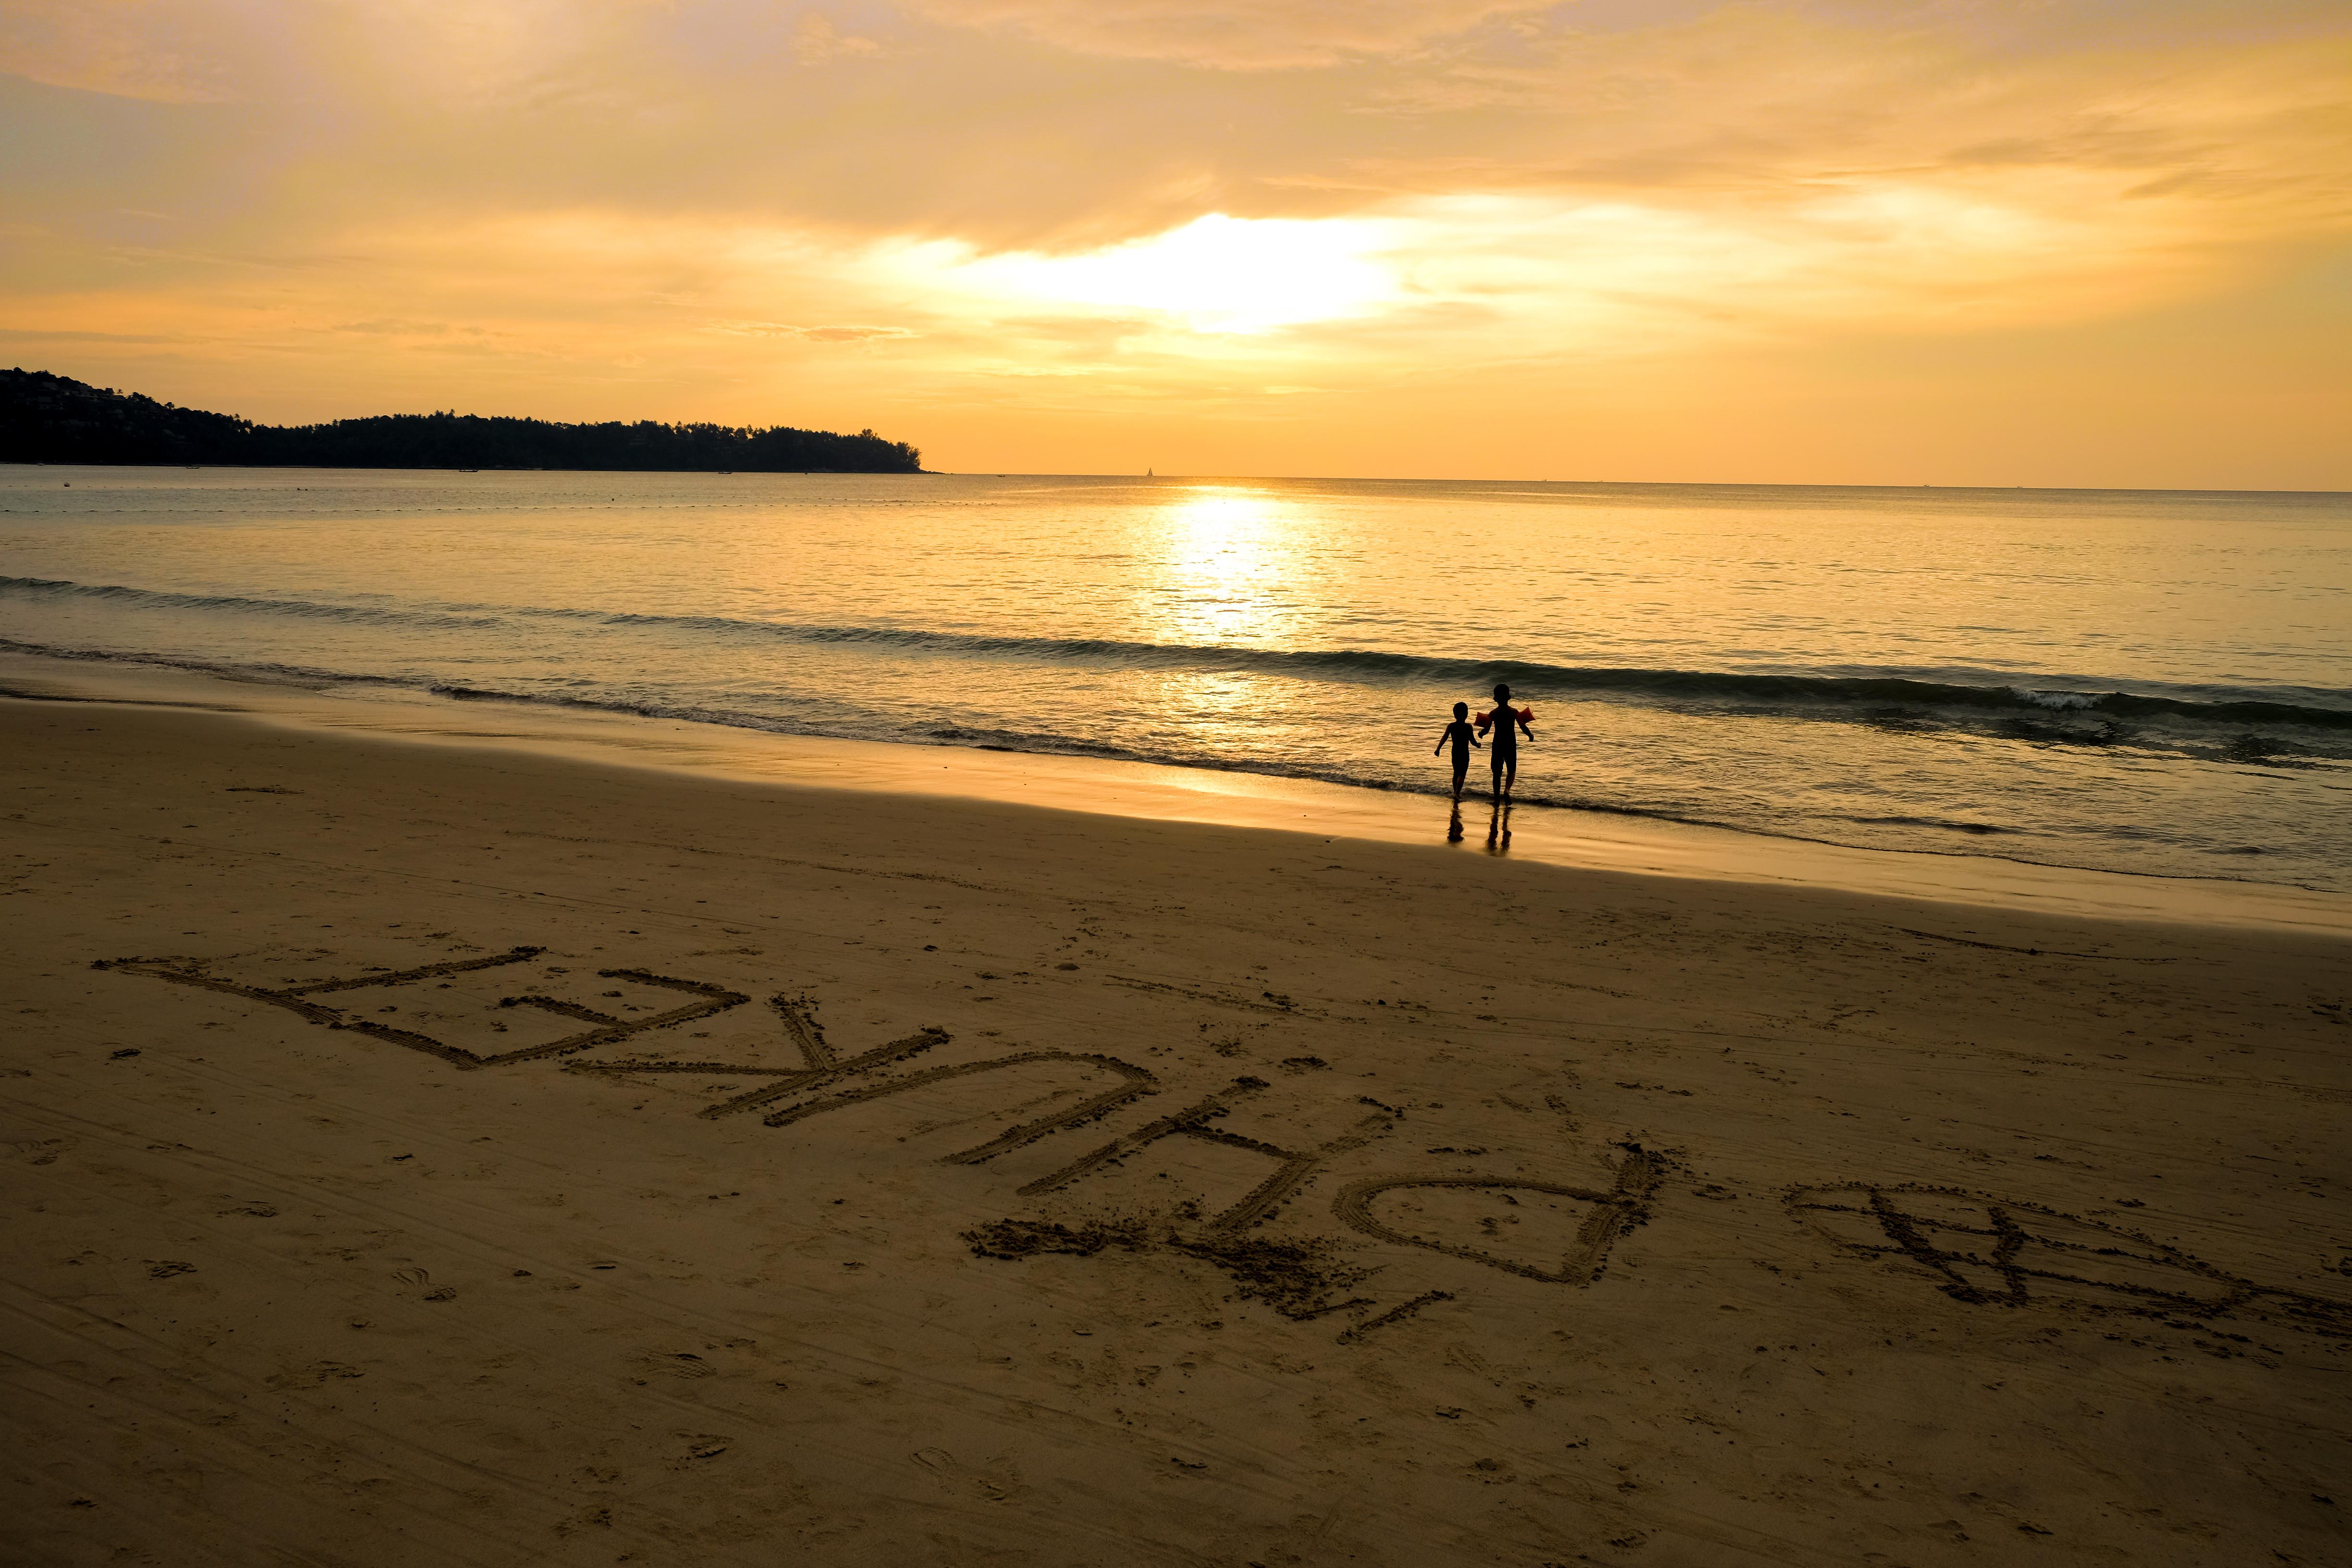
x: 1216, y: 274
x: 1228, y: 562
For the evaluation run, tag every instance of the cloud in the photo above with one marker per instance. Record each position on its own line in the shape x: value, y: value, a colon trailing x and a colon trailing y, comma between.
x: 816, y: 41
x: 1216, y: 274
x: 701, y: 201
x: 39, y: 335
x: 1247, y: 35
x: 166, y: 50
x: 813, y: 334
x: 395, y: 328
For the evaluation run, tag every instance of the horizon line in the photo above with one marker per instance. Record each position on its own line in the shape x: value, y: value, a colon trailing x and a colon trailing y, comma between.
x: 1244, y: 479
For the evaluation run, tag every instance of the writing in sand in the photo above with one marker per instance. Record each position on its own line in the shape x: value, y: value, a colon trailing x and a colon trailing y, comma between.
x: 1974, y: 1248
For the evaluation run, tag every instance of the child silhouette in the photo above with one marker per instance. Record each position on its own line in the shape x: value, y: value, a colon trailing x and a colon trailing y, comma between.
x: 1458, y: 732
x: 1509, y: 723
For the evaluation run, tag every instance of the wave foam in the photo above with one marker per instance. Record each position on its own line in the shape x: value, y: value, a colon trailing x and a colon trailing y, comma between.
x: 1894, y: 695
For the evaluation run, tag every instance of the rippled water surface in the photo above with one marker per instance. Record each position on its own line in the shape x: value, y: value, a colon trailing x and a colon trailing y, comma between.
x: 2141, y: 681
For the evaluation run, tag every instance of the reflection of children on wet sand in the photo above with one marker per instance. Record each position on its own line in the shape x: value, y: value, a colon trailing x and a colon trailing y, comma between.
x: 1458, y: 734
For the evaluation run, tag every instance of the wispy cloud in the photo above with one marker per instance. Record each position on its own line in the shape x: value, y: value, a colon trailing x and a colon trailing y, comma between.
x: 1240, y: 35
x: 811, y: 335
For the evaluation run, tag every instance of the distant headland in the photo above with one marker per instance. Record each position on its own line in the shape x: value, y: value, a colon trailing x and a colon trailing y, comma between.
x: 47, y: 418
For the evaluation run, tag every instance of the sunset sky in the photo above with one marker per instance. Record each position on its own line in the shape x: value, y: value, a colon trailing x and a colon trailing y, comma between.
x: 2069, y: 242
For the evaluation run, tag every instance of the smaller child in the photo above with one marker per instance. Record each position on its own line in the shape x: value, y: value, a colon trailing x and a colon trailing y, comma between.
x: 1459, y: 733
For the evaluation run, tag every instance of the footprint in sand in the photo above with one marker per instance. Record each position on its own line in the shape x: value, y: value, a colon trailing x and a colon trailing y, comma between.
x: 420, y: 1280
x: 956, y: 1477
x: 673, y: 1363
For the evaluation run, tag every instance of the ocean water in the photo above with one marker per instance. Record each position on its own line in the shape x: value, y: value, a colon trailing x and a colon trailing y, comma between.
x: 2149, y: 682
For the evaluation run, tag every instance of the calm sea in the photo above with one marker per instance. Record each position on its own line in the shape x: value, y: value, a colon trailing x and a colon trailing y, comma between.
x: 2137, y: 681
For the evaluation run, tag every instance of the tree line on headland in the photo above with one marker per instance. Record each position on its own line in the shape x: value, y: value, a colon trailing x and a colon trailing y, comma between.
x: 47, y: 418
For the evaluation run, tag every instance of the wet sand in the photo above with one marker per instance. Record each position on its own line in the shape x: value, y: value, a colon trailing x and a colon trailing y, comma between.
x: 423, y: 1154
x: 1584, y: 840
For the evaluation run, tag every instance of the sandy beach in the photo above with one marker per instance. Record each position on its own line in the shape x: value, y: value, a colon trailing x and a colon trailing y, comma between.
x: 428, y: 1154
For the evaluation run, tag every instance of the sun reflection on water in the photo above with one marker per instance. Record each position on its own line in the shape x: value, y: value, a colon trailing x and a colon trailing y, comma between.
x: 1230, y: 568
x: 1231, y: 561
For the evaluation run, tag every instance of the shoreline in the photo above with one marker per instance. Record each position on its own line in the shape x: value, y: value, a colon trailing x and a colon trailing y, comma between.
x: 1555, y: 836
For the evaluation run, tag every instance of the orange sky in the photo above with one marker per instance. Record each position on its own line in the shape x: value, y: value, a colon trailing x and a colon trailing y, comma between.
x: 2070, y: 242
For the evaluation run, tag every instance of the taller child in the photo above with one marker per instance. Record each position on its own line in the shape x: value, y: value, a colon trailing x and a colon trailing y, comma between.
x: 1504, y: 754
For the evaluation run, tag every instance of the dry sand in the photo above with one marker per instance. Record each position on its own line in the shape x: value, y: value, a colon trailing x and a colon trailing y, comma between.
x: 428, y: 1155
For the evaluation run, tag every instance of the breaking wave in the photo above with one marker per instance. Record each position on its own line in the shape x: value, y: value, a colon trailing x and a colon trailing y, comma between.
x: 2314, y: 707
